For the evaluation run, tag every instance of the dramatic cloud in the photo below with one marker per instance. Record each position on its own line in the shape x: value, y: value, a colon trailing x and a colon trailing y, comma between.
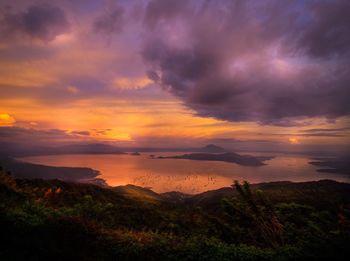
x: 39, y: 21
x: 182, y: 72
x: 263, y: 61
x: 329, y: 34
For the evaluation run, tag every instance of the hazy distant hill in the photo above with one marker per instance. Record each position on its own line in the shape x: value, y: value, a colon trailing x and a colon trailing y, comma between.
x: 211, y: 148
x: 18, y: 150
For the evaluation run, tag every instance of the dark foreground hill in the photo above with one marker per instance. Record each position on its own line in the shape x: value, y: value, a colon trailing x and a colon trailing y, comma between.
x: 56, y: 220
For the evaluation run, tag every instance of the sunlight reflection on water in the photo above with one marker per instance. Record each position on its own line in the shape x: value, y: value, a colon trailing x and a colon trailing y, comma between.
x: 188, y: 176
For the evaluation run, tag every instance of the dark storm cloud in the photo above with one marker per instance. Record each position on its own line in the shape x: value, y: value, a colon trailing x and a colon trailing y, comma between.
x: 39, y: 21
x: 110, y: 22
x: 263, y: 61
x: 329, y: 34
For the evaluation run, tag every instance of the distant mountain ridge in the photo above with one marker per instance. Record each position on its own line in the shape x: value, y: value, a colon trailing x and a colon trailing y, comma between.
x: 18, y: 150
x: 211, y: 148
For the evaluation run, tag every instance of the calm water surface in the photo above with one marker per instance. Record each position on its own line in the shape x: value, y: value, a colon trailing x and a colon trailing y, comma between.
x: 187, y: 176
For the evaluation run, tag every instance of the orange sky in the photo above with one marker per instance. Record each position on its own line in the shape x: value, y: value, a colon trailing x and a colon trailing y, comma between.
x: 95, y: 87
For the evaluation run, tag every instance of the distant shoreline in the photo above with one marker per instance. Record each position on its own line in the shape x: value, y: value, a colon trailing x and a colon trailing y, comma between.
x: 332, y: 165
x: 25, y: 170
x: 244, y: 160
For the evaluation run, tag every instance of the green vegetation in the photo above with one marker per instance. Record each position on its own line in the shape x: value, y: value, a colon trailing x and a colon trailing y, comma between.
x: 56, y: 220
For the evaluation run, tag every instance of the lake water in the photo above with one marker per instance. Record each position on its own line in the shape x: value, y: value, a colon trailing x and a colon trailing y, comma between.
x: 188, y: 176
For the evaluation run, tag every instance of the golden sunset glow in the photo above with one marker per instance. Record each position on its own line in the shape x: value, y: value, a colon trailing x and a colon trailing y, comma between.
x: 6, y: 119
x: 80, y: 80
x: 293, y: 140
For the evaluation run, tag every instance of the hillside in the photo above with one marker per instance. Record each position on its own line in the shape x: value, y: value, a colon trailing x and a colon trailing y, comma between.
x: 57, y: 220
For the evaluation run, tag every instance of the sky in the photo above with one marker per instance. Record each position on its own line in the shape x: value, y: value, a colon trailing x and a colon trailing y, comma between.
x: 176, y: 73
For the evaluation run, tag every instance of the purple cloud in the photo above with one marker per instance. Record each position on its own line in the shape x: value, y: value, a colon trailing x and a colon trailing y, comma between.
x: 110, y: 22
x: 270, y: 62
x: 329, y: 32
x: 266, y: 62
x: 39, y: 21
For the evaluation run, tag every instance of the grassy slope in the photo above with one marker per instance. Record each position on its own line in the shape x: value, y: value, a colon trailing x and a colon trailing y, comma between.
x: 57, y: 220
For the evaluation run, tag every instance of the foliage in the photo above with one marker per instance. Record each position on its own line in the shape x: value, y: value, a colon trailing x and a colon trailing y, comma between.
x: 55, y: 220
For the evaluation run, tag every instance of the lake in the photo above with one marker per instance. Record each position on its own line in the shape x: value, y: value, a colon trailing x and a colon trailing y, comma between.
x: 188, y: 176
